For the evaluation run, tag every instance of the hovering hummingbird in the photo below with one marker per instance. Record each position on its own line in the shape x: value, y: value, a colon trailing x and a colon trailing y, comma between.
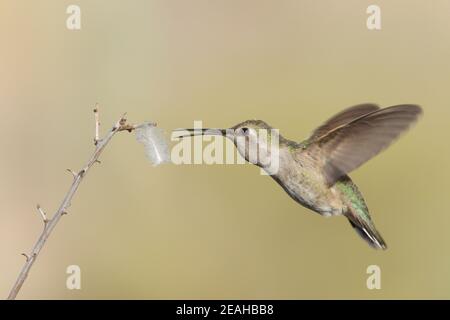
x: 314, y: 172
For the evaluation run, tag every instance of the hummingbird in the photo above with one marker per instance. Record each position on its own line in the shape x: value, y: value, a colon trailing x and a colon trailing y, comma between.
x: 314, y: 172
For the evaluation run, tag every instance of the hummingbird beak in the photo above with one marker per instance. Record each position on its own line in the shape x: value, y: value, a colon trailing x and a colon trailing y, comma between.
x: 182, y: 133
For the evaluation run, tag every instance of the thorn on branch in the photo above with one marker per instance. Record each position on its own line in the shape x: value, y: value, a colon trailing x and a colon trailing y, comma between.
x: 43, y: 215
x: 74, y: 174
x: 26, y: 256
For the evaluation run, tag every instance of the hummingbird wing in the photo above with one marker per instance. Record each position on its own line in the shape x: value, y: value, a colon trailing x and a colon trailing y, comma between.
x: 347, y: 146
x: 342, y: 118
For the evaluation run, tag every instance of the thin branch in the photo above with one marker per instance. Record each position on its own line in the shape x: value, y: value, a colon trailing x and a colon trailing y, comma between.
x: 120, y: 125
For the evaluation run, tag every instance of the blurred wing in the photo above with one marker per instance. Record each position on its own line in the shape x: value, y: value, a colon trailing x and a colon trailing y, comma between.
x: 348, y: 146
x: 343, y: 118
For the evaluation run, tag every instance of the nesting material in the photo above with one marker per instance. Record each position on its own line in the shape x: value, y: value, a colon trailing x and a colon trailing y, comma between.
x: 155, y: 143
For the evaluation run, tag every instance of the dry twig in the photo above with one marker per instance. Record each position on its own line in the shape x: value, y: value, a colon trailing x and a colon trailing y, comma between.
x: 49, y: 224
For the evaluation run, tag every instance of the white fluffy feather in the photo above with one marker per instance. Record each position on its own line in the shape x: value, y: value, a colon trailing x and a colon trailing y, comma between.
x: 154, y: 141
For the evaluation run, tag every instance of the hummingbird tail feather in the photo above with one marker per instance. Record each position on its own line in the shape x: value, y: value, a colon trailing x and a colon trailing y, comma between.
x: 369, y: 234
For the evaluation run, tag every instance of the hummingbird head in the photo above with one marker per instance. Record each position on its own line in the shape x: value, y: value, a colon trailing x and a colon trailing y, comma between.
x: 252, y: 139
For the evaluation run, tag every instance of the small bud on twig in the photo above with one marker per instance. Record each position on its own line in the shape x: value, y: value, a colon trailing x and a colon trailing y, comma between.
x: 123, y: 120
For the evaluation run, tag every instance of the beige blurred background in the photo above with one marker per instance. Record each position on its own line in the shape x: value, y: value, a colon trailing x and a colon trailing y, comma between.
x: 218, y: 231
